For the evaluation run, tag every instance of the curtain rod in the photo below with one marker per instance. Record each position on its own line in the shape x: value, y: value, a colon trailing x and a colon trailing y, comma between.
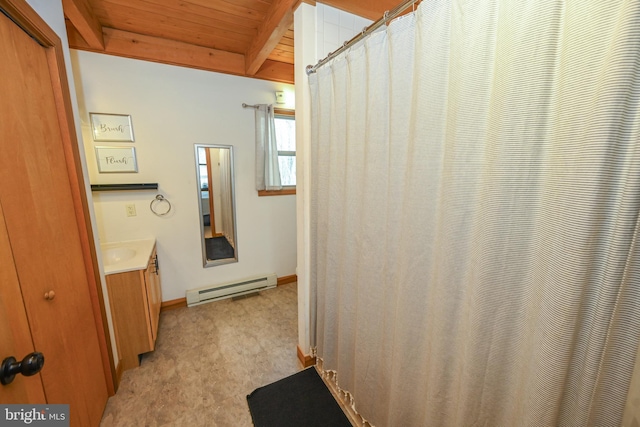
x: 248, y: 106
x: 386, y: 18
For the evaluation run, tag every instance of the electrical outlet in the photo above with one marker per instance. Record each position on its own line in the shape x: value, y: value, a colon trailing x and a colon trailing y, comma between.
x: 131, y: 210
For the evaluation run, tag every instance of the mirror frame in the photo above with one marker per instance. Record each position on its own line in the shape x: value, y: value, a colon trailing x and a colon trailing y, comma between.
x: 208, y: 262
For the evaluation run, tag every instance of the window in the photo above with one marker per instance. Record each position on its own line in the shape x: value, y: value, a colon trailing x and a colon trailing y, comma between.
x: 286, y: 140
x: 285, y: 123
x: 202, y: 166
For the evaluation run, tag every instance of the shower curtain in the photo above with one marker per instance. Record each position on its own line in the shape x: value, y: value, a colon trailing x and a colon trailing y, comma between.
x: 474, y: 214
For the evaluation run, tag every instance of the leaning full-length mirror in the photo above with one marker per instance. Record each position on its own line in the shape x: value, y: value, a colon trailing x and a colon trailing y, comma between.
x: 214, y: 168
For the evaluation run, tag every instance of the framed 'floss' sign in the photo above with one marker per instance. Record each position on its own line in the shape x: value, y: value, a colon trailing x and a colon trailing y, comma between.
x: 111, y: 127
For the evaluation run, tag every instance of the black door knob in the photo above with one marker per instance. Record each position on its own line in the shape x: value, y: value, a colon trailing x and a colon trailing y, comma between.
x: 30, y: 365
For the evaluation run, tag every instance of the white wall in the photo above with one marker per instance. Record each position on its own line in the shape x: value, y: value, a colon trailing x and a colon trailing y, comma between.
x: 305, y: 54
x: 334, y: 27
x: 172, y: 108
x: 319, y: 30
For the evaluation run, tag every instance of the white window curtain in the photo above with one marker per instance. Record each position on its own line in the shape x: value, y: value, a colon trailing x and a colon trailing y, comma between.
x: 474, y: 210
x: 267, y: 168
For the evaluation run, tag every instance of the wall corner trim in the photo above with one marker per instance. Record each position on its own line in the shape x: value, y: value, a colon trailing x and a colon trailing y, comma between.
x: 305, y: 359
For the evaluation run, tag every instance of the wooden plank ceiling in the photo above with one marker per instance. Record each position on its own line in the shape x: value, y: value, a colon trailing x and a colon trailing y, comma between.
x: 252, y: 38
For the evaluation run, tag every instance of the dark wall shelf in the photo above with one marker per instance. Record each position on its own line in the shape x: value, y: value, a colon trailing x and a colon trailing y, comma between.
x: 124, y: 187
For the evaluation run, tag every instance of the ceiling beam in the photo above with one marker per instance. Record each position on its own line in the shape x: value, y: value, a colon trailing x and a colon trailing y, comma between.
x: 80, y: 14
x: 370, y: 9
x: 276, y: 71
x: 278, y: 20
x: 156, y: 49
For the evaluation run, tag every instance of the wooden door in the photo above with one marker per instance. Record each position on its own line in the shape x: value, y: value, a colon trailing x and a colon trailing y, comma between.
x: 212, y: 194
x: 15, y: 338
x: 41, y: 223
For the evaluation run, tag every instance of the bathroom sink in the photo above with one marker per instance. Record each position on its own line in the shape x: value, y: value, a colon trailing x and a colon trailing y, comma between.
x: 116, y: 255
x: 128, y: 255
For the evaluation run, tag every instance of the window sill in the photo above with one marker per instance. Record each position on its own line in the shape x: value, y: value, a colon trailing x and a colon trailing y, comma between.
x: 284, y: 192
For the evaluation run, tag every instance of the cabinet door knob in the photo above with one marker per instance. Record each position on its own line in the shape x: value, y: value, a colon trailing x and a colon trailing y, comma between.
x: 49, y: 295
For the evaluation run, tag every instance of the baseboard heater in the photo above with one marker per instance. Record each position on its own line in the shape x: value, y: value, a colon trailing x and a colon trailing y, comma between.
x: 230, y: 289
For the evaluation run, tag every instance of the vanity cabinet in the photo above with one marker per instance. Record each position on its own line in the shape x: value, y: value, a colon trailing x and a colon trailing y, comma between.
x: 135, y: 298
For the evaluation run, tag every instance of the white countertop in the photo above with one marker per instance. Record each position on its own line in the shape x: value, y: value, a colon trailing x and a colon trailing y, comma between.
x: 135, y: 253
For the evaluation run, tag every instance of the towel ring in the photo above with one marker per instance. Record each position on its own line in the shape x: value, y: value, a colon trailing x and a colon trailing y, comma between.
x: 157, y: 202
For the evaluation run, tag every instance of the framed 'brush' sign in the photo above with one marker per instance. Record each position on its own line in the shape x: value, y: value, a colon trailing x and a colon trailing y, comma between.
x: 116, y: 159
x: 111, y: 127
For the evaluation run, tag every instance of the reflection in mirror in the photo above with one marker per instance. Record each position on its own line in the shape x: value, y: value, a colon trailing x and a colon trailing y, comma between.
x: 217, y: 207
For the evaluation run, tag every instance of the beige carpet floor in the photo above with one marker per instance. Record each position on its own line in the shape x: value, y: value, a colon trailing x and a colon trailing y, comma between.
x: 207, y: 359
